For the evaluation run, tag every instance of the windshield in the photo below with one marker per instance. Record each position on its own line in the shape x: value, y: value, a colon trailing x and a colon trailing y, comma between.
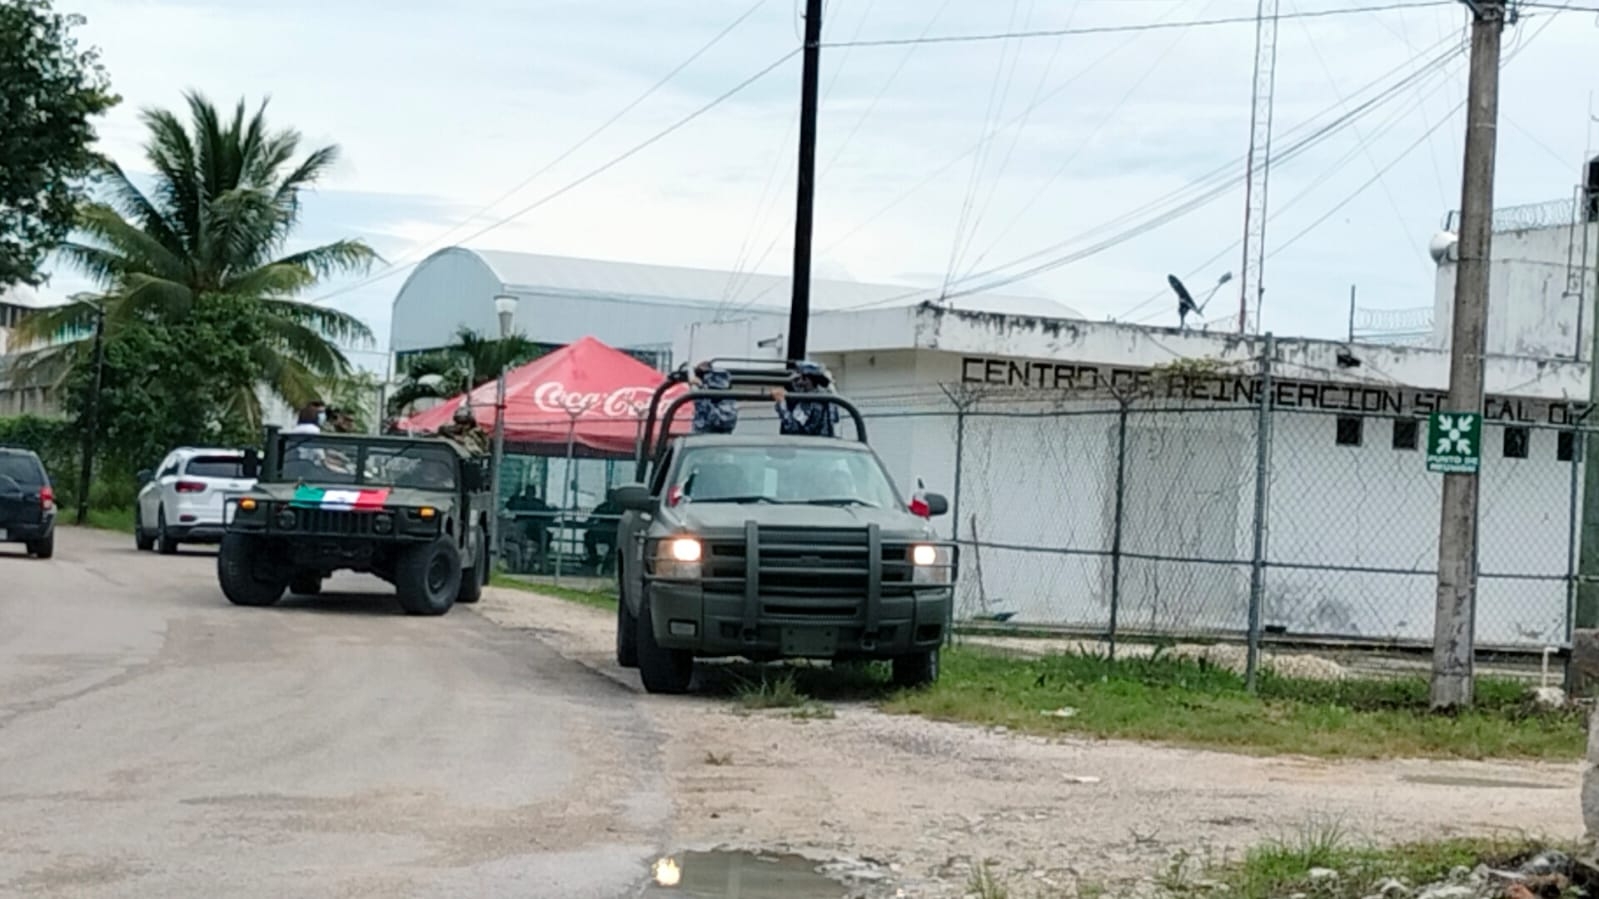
x: 418, y: 465
x: 216, y: 467
x: 22, y: 470
x: 819, y: 475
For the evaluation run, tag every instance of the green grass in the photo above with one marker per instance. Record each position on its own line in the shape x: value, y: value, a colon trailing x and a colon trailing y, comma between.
x: 1160, y: 699
x: 1284, y: 868
x: 118, y: 519
x: 1197, y: 704
x: 598, y: 599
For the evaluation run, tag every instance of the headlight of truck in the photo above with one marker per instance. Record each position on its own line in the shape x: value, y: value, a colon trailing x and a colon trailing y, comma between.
x: 929, y: 564
x: 678, y: 558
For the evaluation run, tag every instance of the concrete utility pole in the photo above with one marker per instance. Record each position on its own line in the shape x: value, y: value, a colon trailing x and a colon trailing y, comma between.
x: 799, y: 310
x: 1587, y: 610
x: 1453, y: 628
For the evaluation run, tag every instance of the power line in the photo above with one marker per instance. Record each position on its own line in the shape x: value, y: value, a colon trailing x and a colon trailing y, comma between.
x: 1140, y: 26
x: 1038, y: 193
x: 1426, y: 137
x: 950, y: 163
x: 564, y: 155
x: 1158, y: 212
x: 603, y: 167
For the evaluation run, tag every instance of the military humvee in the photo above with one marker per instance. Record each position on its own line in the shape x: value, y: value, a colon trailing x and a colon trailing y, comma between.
x: 412, y: 510
x: 765, y: 546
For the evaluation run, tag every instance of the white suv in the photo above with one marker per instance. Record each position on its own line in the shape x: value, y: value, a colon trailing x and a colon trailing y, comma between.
x: 186, y: 499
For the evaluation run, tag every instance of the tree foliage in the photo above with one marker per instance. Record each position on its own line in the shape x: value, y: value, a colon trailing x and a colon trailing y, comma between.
x: 50, y: 91
x: 168, y: 387
x: 204, y: 251
x: 469, y: 362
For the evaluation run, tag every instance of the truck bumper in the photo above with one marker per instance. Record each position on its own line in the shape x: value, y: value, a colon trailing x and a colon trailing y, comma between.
x: 715, y: 625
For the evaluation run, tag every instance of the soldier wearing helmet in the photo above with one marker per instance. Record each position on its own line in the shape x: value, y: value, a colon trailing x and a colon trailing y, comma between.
x: 463, y: 429
x: 807, y: 417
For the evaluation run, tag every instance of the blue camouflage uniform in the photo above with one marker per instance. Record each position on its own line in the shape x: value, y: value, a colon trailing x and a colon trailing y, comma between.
x: 715, y: 416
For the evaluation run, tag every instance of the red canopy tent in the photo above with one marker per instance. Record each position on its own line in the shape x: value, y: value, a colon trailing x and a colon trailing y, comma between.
x: 586, y: 392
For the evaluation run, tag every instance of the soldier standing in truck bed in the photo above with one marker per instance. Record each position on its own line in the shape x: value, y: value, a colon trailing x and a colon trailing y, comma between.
x: 463, y: 429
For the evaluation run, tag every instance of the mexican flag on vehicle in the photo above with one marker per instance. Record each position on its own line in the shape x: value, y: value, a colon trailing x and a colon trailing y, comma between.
x: 342, y: 500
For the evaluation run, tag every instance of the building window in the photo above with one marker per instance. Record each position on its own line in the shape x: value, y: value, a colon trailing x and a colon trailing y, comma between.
x: 1405, y: 433
x: 1349, y: 430
x: 1566, y: 446
x: 1516, y: 440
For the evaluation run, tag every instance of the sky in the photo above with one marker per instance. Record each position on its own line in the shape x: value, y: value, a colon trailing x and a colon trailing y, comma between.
x: 937, y: 162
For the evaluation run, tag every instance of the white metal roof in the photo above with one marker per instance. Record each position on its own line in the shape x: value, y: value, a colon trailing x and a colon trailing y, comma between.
x: 25, y: 297
x: 728, y: 293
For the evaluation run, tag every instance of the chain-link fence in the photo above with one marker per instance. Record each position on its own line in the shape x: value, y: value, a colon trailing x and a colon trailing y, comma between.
x: 1185, y: 504
x: 1153, y: 513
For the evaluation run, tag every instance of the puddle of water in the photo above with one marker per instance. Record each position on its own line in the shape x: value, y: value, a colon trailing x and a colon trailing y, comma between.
x: 740, y: 875
x: 1449, y: 780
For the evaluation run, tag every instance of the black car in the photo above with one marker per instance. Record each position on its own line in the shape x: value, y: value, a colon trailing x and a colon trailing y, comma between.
x: 27, y: 503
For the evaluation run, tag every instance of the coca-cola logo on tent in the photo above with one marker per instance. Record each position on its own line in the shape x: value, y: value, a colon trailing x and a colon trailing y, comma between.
x: 624, y: 402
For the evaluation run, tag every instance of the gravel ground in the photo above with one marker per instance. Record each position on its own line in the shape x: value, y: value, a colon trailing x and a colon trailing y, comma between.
x: 927, y: 798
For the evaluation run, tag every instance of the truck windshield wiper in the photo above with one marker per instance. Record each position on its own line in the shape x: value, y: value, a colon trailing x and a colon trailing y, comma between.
x: 841, y: 501
x: 752, y: 498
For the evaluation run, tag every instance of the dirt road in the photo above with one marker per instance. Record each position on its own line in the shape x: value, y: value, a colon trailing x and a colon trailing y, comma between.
x: 155, y: 741
x: 930, y: 797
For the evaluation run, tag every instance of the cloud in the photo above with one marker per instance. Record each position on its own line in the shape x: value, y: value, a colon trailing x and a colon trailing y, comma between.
x: 441, y: 109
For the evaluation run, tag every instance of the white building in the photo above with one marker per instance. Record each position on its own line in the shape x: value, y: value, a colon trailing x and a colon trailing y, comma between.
x: 17, y: 303
x: 1350, y: 512
x: 631, y: 306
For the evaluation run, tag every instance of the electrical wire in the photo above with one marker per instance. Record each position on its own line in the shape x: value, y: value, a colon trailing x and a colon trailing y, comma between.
x: 762, y: 207
x: 1360, y: 139
x: 1139, y: 26
x: 950, y: 163
x: 582, y: 142
x: 606, y: 166
x: 1355, y: 193
x: 1039, y: 192
x: 990, y: 122
x: 725, y: 308
x: 1152, y: 215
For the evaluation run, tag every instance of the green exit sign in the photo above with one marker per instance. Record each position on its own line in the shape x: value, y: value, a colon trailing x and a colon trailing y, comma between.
x: 1454, y: 442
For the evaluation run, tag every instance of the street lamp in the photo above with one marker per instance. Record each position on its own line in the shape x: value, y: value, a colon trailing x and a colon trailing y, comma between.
x: 505, y: 308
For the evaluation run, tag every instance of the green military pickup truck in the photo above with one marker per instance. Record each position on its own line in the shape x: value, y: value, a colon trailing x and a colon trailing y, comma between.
x: 767, y: 546
x: 412, y: 510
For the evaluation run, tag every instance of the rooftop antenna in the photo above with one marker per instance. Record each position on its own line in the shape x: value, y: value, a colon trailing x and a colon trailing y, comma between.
x: 1251, y: 276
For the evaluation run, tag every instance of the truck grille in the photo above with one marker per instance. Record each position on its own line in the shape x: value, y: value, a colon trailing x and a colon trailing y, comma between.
x: 808, y: 572
x: 333, y: 522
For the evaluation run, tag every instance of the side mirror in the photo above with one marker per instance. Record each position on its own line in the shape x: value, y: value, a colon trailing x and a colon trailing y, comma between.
x: 937, y: 504
x: 252, y: 463
x: 144, y: 476
x: 635, y: 498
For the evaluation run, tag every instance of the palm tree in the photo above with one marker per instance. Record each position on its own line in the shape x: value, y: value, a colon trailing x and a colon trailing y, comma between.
x: 472, y: 360
x: 210, y: 236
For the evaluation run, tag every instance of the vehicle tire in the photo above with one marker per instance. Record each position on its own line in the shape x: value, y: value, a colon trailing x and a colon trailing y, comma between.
x: 661, y: 670
x: 164, y: 542
x: 428, y: 577
x: 143, y: 540
x: 44, y: 548
x: 917, y: 669
x: 306, y: 583
x: 473, y: 579
x: 246, y: 578
x: 626, y: 634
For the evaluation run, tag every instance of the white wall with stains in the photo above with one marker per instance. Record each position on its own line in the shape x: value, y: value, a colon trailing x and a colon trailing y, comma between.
x: 1352, y: 529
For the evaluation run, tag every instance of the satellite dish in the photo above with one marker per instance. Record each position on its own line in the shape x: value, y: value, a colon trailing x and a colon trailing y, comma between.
x: 1185, y: 300
x: 1445, y: 245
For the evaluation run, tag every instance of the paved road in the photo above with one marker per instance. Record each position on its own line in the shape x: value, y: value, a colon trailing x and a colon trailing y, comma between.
x: 156, y: 741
